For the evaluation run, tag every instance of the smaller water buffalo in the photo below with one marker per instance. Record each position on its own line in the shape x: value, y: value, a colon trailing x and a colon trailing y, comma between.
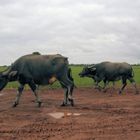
x: 35, y: 70
x: 108, y: 71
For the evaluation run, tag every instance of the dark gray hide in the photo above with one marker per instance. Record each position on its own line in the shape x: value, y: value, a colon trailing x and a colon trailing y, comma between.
x: 108, y: 71
x: 36, y: 70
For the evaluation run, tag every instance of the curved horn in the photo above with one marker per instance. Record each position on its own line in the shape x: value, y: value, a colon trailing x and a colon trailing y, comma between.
x: 90, y: 67
x: 12, y: 73
x: 93, y: 69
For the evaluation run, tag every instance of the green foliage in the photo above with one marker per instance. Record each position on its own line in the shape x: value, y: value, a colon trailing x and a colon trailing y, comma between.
x: 79, y: 82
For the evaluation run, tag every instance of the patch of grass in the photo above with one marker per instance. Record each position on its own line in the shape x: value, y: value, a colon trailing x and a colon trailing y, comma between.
x: 137, y: 74
x: 81, y: 82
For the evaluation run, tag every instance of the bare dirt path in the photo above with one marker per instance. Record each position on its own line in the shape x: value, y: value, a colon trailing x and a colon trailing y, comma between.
x: 95, y: 116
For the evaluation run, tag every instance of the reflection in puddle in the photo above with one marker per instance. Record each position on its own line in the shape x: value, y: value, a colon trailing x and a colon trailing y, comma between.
x: 1, y: 94
x: 58, y: 115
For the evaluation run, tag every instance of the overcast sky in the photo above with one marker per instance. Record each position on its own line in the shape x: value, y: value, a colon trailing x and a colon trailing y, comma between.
x: 86, y: 31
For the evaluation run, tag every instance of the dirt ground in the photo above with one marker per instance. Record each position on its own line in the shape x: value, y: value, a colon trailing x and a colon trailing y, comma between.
x: 95, y: 116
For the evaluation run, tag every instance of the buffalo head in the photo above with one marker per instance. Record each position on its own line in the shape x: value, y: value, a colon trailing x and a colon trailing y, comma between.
x: 88, y: 71
x: 3, y: 81
x: 6, y: 77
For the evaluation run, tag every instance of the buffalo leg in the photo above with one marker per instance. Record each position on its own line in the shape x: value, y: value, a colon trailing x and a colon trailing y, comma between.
x: 134, y: 84
x: 123, y: 86
x: 69, y: 85
x: 65, y: 95
x: 97, y: 86
x: 70, y: 94
x: 20, y: 89
x: 70, y: 98
x: 105, y: 85
x: 113, y: 84
x: 34, y: 89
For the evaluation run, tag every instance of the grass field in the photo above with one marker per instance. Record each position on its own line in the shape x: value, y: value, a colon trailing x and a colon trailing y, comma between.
x: 79, y: 82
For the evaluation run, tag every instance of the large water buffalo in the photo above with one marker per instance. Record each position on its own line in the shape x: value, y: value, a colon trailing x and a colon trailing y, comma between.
x: 34, y: 70
x: 108, y: 71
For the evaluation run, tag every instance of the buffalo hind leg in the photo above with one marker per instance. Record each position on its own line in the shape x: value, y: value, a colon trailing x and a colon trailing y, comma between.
x: 34, y: 89
x: 132, y: 81
x: 68, y: 86
x: 70, y: 98
x: 65, y: 102
x: 70, y: 91
x: 123, y: 86
x: 20, y: 89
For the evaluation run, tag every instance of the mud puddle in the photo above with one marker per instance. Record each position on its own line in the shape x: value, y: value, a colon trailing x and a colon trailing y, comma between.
x: 59, y: 115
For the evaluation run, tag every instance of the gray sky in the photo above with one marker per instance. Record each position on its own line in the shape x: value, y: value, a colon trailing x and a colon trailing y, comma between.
x: 86, y: 31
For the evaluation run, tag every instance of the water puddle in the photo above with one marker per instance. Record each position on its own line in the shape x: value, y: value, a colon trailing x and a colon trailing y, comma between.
x: 58, y: 115
x: 1, y: 94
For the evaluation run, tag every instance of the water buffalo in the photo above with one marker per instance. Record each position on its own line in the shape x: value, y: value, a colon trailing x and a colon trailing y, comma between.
x: 108, y: 71
x: 35, y: 70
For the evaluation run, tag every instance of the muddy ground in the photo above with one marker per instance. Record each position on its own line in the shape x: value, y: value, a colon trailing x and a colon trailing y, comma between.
x: 95, y: 116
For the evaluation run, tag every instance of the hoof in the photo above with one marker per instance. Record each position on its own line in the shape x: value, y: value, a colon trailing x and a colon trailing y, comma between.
x: 98, y: 88
x: 15, y: 104
x: 137, y: 92
x: 63, y: 104
x: 120, y: 92
x: 71, y: 102
x: 105, y: 91
x: 39, y: 104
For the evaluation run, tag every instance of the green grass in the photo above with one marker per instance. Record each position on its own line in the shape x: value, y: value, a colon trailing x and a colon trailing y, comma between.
x: 137, y: 74
x: 79, y: 82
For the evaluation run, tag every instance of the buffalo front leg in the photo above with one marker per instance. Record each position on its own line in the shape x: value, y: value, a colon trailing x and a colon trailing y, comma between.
x: 20, y: 89
x: 97, y: 86
x: 35, y: 91
x: 105, y: 85
x: 113, y: 84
